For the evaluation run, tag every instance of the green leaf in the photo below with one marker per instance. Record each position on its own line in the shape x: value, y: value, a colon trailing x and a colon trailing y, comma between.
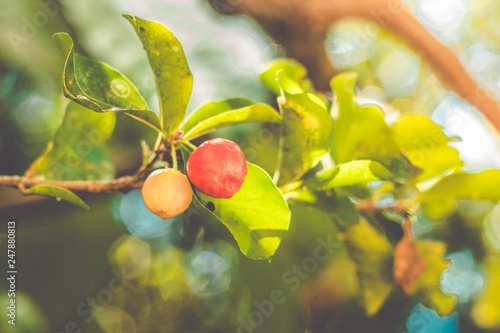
x: 425, y: 145
x: 214, y: 115
x: 294, y: 76
x: 57, y: 192
x: 382, y: 149
x: 304, y: 138
x: 427, y: 286
x: 356, y: 172
x: 173, y: 76
x: 351, y: 123
x: 79, y: 149
x: 101, y: 88
x: 372, y: 254
x: 257, y: 216
x: 483, y: 186
x: 486, y: 309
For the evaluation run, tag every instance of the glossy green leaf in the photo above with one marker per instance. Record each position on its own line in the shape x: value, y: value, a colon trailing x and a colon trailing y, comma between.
x: 229, y: 112
x: 101, y: 88
x: 352, y: 123
x: 486, y: 309
x: 173, y: 76
x: 304, y: 138
x: 373, y: 255
x: 257, y: 216
x: 294, y: 76
x: 483, y: 186
x: 428, y: 285
x: 425, y: 145
x: 356, y: 172
x: 58, y: 193
x: 382, y: 149
x: 79, y: 149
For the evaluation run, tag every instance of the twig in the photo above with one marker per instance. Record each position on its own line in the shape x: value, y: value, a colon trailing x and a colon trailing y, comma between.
x: 122, y: 184
x: 368, y: 208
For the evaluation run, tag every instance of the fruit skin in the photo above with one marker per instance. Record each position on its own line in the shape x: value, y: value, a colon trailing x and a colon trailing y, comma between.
x: 167, y: 193
x: 217, y: 168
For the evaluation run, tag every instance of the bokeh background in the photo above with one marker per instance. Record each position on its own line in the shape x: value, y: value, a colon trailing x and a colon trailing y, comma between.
x: 187, y: 274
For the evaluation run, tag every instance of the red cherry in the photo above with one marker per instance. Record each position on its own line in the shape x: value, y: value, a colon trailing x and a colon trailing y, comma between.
x: 217, y: 168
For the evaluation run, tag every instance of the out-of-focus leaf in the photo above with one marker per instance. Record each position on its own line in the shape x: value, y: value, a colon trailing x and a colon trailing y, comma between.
x: 352, y: 123
x: 79, y: 149
x: 293, y: 73
x: 147, y: 152
x: 173, y: 76
x: 483, y: 186
x: 372, y: 254
x: 233, y: 111
x: 486, y: 309
x: 257, y: 215
x: 58, y: 193
x: 356, y: 172
x: 304, y: 139
x: 437, y: 210
x: 427, y: 286
x: 436, y: 299
x: 336, y: 204
x: 113, y: 319
x: 131, y: 256
x: 101, y: 88
x: 425, y: 145
x: 381, y: 148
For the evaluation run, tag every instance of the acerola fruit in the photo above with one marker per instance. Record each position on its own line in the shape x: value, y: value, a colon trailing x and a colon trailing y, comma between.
x: 167, y: 193
x: 217, y: 168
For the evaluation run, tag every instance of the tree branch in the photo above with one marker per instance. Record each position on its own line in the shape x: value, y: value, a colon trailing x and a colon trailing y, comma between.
x: 122, y: 184
x: 301, y: 27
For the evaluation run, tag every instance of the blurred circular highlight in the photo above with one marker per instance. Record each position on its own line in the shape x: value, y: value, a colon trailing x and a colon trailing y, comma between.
x: 129, y: 209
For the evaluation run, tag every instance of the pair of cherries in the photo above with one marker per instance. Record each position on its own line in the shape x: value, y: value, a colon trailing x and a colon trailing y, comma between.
x: 216, y: 168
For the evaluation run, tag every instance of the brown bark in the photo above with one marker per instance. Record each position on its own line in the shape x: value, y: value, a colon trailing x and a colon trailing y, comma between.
x: 301, y: 26
x: 121, y: 184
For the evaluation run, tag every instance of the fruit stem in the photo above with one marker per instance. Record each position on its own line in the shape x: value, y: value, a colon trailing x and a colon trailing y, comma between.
x: 159, y: 140
x: 174, y: 155
x: 189, y: 144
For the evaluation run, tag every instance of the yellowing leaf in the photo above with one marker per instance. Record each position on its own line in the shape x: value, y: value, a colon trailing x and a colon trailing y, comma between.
x: 486, y: 309
x: 483, y: 186
x: 428, y: 285
x: 381, y: 148
x: 372, y: 254
x: 425, y: 145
